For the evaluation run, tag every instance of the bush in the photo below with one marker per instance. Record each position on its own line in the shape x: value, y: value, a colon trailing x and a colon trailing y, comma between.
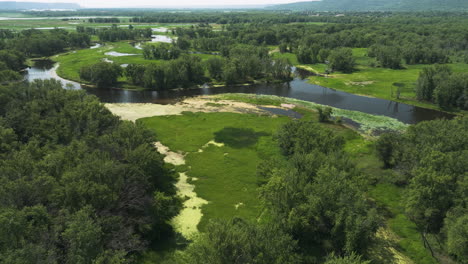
x: 342, y: 60
x: 103, y: 74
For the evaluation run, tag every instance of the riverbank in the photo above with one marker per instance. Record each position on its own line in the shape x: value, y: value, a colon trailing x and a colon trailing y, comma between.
x: 395, y: 85
x: 122, y: 53
x: 298, y: 89
x: 365, y: 124
x: 205, y: 104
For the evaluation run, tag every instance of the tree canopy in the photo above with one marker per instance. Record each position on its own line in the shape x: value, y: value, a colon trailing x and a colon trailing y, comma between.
x: 77, y: 185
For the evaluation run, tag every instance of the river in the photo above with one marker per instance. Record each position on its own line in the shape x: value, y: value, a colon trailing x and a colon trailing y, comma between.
x: 298, y: 88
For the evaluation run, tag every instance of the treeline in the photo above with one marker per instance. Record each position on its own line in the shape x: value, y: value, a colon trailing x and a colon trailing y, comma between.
x: 16, y: 47
x: 239, y: 64
x: 219, y: 17
x: 438, y: 84
x: 11, y: 62
x: 77, y: 185
x: 33, y: 42
x: 392, y: 56
x: 319, y: 213
x: 7, y: 33
x: 103, y: 74
x: 431, y: 159
x: 392, y: 41
x: 87, y: 30
x: 340, y: 59
x: 104, y: 20
x: 115, y: 33
x: 162, y: 51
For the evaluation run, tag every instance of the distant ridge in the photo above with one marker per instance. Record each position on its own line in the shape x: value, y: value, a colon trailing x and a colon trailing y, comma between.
x: 376, y: 5
x: 12, y: 5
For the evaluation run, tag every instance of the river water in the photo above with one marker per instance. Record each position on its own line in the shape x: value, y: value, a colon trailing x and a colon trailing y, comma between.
x: 298, y: 88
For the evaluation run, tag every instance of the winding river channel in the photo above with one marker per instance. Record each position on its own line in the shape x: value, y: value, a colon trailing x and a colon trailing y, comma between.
x: 298, y: 88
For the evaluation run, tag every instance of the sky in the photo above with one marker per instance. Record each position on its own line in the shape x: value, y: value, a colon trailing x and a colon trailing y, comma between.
x: 165, y: 3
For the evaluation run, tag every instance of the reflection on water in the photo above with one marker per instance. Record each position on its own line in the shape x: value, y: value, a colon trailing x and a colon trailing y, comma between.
x: 95, y: 46
x: 160, y: 29
x: 298, y: 88
x: 161, y: 38
x: 45, y: 69
x: 118, y: 54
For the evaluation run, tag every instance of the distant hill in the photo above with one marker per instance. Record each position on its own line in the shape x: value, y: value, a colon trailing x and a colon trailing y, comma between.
x: 376, y: 5
x: 11, y: 5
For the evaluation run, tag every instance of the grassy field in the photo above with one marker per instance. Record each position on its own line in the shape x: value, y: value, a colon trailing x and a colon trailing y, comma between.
x: 71, y: 62
x: 225, y: 174
x: 372, y: 81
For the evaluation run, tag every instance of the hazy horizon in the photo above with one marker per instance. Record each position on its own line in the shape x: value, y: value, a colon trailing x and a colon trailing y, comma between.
x: 164, y: 4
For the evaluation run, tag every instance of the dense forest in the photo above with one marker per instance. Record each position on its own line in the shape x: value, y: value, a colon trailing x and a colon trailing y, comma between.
x: 77, y: 184
x: 431, y: 158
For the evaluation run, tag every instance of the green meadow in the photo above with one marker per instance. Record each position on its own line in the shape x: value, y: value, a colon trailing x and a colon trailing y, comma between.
x: 373, y: 81
x: 71, y: 62
x: 225, y: 175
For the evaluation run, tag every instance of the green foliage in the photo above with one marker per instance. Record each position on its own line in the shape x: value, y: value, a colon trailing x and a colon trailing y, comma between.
x: 387, y: 56
x: 103, y: 74
x: 303, y: 137
x: 9, y: 75
x: 317, y: 196
x: 391, y: 197
x: 429, y: 198
x: 83, y: 236
x: 351, y: 259
x: 115, y: 33
x: 457, y: 236
x: 162, y: 51
x: 238, y: 241
x: 11, y: 60
x: 308, y: 55
x: 183, y: 43
x: 452, y: 92
x: 387, y: 148
x: 215, y: 67
x: 342, y: 60
x: 428, y: 81
x: 46, y: 43
x: 135, y: 73
x: 184, y: 72
x: 433, y: 156
x: 325, y: 114
x: 77, y: 185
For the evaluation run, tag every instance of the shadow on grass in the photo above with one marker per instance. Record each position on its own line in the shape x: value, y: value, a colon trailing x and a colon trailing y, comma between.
x: 238, y: 137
